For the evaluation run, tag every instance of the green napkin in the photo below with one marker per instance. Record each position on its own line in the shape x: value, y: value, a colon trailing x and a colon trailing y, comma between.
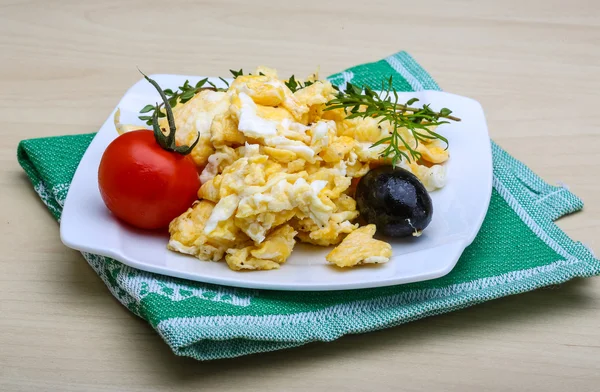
x: 518, y: 249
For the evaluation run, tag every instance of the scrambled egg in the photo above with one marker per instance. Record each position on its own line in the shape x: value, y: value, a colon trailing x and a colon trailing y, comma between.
x: 272, y: 252
x: 359, y: 247
x: 277, y: 168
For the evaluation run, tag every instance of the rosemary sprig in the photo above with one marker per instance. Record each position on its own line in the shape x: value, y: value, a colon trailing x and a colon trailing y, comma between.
x: 167, y: 141
x: 296, y: 85
x: 365, y: 102
x: 182, y: 95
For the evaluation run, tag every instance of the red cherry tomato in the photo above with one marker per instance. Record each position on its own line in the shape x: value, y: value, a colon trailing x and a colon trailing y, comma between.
x: 144, y: 184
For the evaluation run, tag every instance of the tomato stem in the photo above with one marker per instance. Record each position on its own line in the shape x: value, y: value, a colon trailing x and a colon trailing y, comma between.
x: 167, y: 142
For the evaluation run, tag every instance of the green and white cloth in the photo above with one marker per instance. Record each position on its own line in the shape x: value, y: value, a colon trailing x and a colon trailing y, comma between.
x: 518, y: 249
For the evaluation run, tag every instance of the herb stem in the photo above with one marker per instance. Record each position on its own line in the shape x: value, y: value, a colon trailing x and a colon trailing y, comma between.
x: 404, y: 108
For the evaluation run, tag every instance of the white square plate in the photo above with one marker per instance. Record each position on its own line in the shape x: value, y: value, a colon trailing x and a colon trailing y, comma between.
x: 459, y: 209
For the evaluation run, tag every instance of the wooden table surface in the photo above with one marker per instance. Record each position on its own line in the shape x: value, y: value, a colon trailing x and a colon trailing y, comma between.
x: 534, y: 66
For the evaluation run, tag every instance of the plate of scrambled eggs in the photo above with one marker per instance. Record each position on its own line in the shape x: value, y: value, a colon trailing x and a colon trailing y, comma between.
x: 276, y: 206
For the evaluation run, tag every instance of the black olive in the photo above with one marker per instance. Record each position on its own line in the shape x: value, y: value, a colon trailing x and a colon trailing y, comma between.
x: 395, y: 201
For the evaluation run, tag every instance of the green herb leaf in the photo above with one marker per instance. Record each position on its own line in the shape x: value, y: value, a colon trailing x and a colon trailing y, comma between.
x: 292, y: 84
x: 146, y: 109
x: 296, y: 85
x: 224, y: 81
x: 236, y: 73
x: 187, y: 95
x: 201, y: 83
x: 445, y: 112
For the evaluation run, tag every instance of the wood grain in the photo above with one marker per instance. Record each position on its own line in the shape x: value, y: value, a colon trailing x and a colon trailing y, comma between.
x: 534, y: 65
